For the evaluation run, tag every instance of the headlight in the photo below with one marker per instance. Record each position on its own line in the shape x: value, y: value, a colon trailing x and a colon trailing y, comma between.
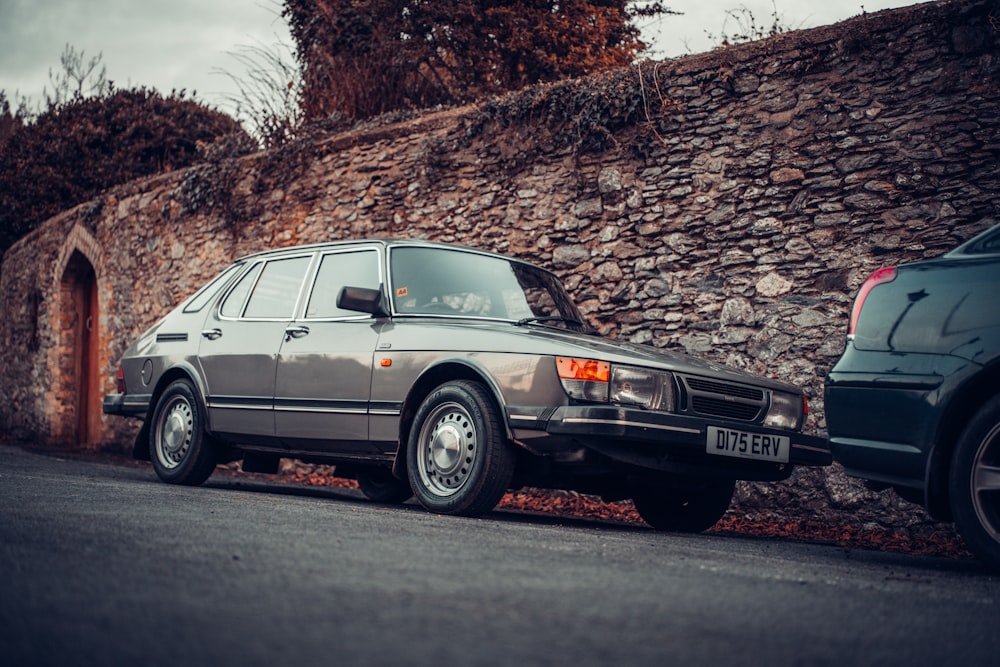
x: 597, y: 381
x: 786, y: 411
x: 649, y: 389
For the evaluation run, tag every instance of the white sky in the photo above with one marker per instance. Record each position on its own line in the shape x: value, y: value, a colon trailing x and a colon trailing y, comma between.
x: 671, y: 36
x: 175, y: 44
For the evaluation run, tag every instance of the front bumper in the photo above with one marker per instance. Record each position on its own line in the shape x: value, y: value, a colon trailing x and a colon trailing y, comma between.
x: 676, y: 443
x: 126, y: 405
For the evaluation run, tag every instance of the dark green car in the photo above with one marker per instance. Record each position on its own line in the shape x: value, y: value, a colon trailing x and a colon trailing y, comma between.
x: 914, y: 402
x: 449, y: 374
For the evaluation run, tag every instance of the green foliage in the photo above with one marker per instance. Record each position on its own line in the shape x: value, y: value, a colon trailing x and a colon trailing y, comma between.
x: 363, y: 58
x: 584, y: 116
x: 69, y: 153
x: 9, y: 120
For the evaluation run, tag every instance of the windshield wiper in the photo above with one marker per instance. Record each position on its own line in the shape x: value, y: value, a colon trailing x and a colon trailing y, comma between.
x: 548, y: 318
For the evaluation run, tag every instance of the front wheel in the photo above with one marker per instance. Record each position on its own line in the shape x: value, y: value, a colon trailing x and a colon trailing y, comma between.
x: 688, y: 508
x: 974, y: 483
x: 458, y: 460
x: 179, y: 448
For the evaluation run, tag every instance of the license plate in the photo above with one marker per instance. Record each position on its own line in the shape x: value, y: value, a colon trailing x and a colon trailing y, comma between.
x: 746, y: 445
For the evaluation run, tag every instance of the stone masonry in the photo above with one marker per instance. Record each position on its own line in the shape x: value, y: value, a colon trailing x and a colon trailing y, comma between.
x: 727, y: 204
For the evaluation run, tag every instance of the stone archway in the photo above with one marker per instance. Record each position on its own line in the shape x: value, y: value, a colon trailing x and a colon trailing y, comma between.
x: 80, y: 367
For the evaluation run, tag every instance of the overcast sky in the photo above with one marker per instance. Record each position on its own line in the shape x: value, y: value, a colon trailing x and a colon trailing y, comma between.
x: 184, y: 44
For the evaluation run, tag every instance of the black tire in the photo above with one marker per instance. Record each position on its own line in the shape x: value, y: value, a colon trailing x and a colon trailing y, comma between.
x: 181, y: 451
x: 974, y: 483
x: 458, y: 459
x: 684, y: 509
x: 380, y: 486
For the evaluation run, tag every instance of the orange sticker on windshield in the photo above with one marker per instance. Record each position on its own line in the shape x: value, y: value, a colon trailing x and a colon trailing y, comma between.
x: 402, y: 291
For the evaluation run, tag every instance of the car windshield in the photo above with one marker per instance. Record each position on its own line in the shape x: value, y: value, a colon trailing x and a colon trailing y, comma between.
x: 439, y: 281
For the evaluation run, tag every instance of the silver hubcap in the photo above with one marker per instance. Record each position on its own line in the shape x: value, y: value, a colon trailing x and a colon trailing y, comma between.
x: 447, y: 449
x: 174, y: 432
x: 986, y: 483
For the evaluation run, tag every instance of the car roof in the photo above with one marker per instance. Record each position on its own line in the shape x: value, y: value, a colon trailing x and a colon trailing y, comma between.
x: 384, y: 242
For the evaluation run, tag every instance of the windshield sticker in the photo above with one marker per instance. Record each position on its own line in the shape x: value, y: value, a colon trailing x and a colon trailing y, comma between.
x: 401, y: 292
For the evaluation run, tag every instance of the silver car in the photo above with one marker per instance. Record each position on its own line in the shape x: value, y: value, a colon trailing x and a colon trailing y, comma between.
x: 449, y: 374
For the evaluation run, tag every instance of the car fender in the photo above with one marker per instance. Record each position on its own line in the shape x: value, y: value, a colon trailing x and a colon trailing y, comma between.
x: 961, y: 396
x: 441, y: 370
x: 182, y: 369
x: 466, y: 368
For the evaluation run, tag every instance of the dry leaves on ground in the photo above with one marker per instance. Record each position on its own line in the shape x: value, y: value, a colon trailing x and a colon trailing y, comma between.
x: 570, y: 504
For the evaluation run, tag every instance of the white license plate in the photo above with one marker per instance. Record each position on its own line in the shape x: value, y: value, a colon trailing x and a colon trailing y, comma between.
x: 746, y: 445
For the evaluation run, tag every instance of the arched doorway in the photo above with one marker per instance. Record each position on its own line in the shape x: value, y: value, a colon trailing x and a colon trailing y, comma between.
x: 81, y: 342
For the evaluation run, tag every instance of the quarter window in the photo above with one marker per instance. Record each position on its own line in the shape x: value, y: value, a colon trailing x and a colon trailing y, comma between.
x: 233, y: 305
x: 205, y: 294
x: 989, y: 245
x: 336, y: 271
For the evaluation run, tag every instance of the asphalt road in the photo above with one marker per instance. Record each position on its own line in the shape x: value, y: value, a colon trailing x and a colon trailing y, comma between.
x: 100, y: 564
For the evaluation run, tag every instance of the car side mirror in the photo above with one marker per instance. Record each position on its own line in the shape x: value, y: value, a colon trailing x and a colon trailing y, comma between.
x: 361, y: 299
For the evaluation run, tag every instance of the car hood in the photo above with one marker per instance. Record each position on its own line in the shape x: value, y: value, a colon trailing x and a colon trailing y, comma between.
x: 546, y: 340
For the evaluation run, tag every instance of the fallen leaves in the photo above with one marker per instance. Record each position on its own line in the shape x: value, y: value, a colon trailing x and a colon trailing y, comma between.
x: 587, y: 507
x: 580, y: 506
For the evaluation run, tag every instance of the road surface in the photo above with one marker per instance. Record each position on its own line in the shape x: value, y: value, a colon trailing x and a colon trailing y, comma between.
x: 101, y: 564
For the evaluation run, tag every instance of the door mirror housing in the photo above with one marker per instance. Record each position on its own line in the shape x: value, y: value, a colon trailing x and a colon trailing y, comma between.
x: 362, y: 299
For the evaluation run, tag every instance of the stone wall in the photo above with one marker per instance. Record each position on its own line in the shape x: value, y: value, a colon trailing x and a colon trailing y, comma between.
x: 728, y: 204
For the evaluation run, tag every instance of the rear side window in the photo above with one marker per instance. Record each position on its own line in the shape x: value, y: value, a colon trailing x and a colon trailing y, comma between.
x: 336, y: 271
x: 987, y: 243
x: 277, y: 289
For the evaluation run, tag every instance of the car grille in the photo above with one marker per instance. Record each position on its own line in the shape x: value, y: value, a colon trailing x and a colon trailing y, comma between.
x: 728, y: 400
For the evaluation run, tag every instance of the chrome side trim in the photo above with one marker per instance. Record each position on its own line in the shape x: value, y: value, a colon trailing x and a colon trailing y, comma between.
x: 307, y: 406
x: 337, y: 411
x: 238, y: 406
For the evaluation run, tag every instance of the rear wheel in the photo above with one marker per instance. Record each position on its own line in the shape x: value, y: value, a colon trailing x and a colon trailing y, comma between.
x: 974, y: 483
x: 458, y: 460
x: 380, y: 486
x: 179, y: 448
x: 685, y: 509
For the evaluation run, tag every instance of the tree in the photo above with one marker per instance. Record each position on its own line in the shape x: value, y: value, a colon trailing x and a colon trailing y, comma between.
x: 77, y: 79
x: 9, y: 120
x: 90, y: 137
x: 266, y: 97
x: 74, y: 150
x: 360, y: 58
x: 740, y: 26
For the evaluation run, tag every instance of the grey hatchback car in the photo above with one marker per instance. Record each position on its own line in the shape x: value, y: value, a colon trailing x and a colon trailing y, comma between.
x: 450, y: 374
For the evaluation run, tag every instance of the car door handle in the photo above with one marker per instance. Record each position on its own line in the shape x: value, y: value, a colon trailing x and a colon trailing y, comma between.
x: 212, y: 334
x: 296, y: 332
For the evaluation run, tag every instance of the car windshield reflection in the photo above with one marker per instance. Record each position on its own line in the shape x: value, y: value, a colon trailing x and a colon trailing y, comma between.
x: 442, y: 282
